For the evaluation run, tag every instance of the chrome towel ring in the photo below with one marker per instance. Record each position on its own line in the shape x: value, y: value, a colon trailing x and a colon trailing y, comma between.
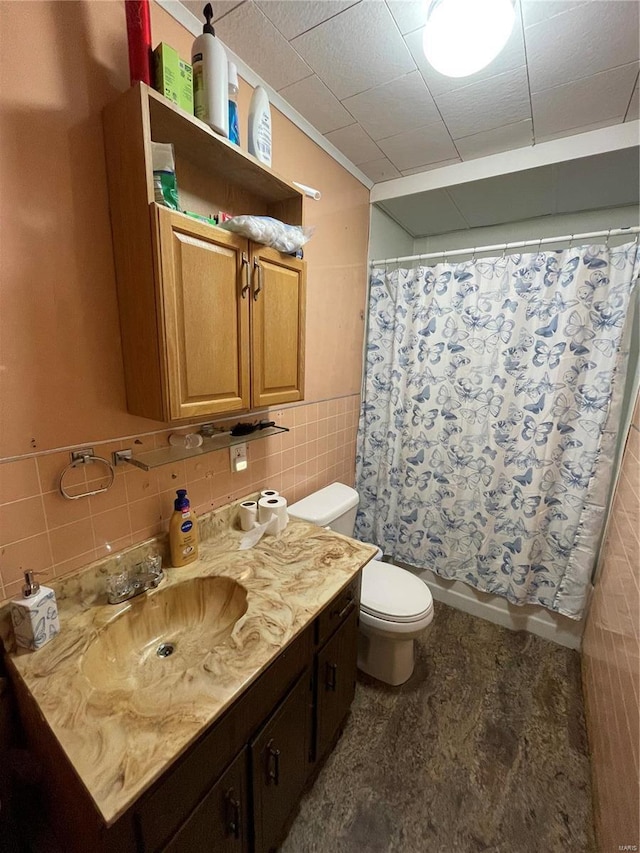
x: 85, y: 457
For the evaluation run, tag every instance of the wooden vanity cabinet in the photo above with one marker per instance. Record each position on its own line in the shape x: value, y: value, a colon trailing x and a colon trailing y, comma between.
x: 235, y: 790
x: 210, y: 323
x: 289, y: 720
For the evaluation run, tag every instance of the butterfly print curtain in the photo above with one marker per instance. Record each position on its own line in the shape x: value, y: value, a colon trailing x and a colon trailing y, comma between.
x: 492, y: 396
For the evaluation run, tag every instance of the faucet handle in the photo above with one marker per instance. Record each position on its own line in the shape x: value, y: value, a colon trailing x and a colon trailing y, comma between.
x: 119, y: 585
x: 154, y: 564
x: 151, y: 565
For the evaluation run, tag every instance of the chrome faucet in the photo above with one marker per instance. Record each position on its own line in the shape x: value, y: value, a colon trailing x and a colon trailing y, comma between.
x: 126, y: 585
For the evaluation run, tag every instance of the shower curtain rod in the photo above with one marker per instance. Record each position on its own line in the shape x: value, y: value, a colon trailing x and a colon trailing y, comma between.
x: 612, y: 232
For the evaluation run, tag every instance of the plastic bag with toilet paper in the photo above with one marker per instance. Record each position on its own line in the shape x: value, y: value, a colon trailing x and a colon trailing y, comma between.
x: 270, y: 232
x: 268, y: 516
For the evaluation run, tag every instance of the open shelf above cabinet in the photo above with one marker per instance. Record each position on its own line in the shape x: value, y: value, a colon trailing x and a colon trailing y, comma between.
x: 195, y: 141
x: 167, y: 455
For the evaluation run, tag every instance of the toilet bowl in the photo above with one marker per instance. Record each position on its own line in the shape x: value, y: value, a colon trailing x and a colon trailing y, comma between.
x: 395, y: 605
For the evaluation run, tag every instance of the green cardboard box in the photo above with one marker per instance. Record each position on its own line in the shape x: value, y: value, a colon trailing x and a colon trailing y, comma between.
x: 173, y: 77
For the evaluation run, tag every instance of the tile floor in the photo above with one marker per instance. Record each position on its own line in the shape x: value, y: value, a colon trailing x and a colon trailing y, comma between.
x: 483, y: 749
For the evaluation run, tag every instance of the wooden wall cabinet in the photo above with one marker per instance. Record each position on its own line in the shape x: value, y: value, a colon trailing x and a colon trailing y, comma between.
x: 210, y: 323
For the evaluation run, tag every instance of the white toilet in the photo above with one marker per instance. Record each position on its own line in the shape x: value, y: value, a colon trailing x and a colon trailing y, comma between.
x: 395, y: 605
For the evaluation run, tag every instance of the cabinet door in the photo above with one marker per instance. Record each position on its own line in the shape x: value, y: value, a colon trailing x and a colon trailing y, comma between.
x: 280, y: 764
x: 219, y: 824
x: 335, y: 681
x: 204, y: 274
x: 277, y: 337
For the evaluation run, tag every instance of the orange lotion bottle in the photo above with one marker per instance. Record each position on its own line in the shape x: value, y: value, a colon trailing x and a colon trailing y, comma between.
x: 183, y: 531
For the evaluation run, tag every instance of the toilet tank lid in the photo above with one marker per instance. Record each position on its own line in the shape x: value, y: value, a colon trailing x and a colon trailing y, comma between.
x: 326, y: 505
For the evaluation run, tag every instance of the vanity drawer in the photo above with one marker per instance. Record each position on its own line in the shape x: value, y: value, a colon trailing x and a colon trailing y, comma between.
x: 337, y: 611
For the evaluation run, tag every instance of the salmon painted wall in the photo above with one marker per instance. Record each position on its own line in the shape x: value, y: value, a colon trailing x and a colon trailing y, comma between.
x: 611, y: 664
x: 61, y: 376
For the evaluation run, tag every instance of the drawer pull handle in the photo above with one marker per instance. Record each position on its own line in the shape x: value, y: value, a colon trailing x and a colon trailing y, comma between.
x: 273, y: 764
x: 233, y: 812
x: 338, y: 614
x: 331, y: 676
x: 258, y: 269
x: 245, y: 266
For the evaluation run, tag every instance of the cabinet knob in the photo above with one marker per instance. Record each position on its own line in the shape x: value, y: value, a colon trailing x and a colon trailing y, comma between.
x: 233, y: 813
x: 245, y: 268
x: 273, y: 763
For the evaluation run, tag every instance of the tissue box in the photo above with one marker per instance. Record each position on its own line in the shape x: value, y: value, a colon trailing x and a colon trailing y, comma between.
x: 173, y: 77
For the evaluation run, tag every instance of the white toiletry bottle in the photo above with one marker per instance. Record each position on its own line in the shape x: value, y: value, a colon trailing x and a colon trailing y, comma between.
x: 259, y: 141
x: 210, y: 78
x: 35, y: 615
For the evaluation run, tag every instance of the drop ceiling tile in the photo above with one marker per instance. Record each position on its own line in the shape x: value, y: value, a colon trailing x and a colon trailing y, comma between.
x: 355, y: 144
x: 591, y: 38
x: 612, y: 181
x: 573, y: 131
x: 516, y: 135
x: 220, y: 8
x: 252, y: 36
x: 356, y: 50
x: 408, y: 14
x: 293, y: 17
x: 317, y: 104
x: 487, y: 104
x: 593, y: 99
x: 417, y: 170
x: 632, y: 109
x: 403, y: 104
x: 535, y: 11
x: 511, y: 57
x: 380, y: 170
x: 425, y: 213
x: 420, y: 147
x: 506, y: 198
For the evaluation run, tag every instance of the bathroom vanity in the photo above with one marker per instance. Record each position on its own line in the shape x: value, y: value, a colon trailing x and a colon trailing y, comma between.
x: 215, y: 751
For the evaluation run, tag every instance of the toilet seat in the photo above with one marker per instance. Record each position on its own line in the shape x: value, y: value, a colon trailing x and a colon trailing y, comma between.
x: 394, y: 595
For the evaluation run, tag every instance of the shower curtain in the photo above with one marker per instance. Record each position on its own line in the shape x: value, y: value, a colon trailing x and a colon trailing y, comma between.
x: 488, y: 420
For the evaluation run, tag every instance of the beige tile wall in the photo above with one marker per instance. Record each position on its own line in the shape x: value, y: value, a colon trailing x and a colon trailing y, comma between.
x: 42, y: 531
x: 611, y: 665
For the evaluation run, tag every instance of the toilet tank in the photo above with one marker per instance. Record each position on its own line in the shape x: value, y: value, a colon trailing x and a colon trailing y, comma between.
x: 335, y: 506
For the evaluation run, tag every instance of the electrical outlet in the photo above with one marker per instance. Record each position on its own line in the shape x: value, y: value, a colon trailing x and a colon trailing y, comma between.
x: 238, y: 457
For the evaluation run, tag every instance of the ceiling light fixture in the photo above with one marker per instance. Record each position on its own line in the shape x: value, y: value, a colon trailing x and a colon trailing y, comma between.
x: 463, y: 36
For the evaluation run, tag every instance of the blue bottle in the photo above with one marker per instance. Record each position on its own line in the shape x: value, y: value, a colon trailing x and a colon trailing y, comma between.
x: 234, y: 127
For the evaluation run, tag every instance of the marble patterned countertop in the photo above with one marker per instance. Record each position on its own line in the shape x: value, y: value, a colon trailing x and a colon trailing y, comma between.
x: 119, y: 740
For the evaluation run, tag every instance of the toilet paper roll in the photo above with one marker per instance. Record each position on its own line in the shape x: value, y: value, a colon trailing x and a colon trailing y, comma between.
x: 273, y: 506
x: 269, y: 493
x: 248, y: 514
